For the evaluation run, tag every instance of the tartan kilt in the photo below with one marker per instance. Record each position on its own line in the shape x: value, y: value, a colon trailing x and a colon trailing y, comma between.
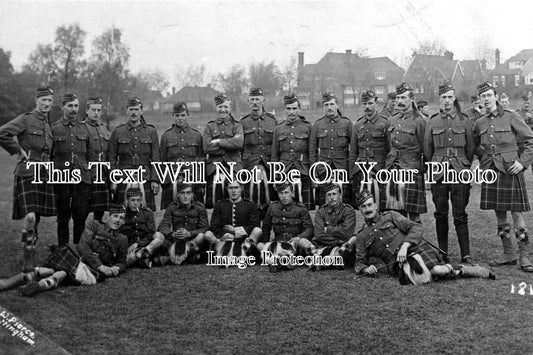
x: 414, y: 195
x: 507, y: 193
x: 167, y: 193
x: 99, y: 197
x: 304, y: 193
x: 120, y: 195
x: 28, y: 197
x: 215, y: 192
x: 64, y: 259
x: 428, y: 254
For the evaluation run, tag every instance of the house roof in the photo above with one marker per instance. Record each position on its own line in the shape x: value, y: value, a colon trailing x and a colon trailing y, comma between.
x: 528, y: 67
x: 435, y: 66
x: 503, y: 69
x: 524, y: 55
x: 191, y: 94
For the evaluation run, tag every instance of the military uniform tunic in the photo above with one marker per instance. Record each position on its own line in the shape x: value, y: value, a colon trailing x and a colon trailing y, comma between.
x: 291, y: 147
x: 100, y: 245
x: 406, y: 139
x: 258, y: 134
x: 287, y: 222
x: 72, y: 150
x: 99, y: 193
x: 334, y: 225
x: 230, y: 133
x: 193, y: 218
x: 243, y: 213
x: 180, y: 144
x: 34, y: 135
x: 496, y: 136
x: 139, y: 226
x: 383, y: 236
x: 133, y: 146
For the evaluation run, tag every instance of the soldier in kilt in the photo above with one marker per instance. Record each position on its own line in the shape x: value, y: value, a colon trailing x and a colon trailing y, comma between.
x: 99, y: 198
x: 101, y: 253
x: 399, y: 243
x: 406, y: 138
x: 496, y: 136
x: 369, y: 144
x: 258, y: 129
x: 290, y: 146
x: 222, y: 139
x: 72, y: 150
x: 449, y: 140
x: 180, y: 143
x: 33, y: 144
x: 329, y: 143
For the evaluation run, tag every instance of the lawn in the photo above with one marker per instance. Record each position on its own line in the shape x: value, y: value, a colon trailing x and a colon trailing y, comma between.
x: 203, y: 309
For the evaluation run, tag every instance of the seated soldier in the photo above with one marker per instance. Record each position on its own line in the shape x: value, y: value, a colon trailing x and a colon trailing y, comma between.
x: 398, y: 242
x: 139, y: 227
x: 335, y: 226
x: 183, y: 226
x: 101, y: 253
x: 291, y: 223
x: 235, y: 223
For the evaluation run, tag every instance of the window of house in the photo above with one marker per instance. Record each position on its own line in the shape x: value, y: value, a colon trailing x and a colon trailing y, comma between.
x: 529, y: 79
x: 495, y: 80
x: 503, y: 81
x: 379, y: 90
x: 516, y: 80
x: 379, y: 75
x: 515, y: 65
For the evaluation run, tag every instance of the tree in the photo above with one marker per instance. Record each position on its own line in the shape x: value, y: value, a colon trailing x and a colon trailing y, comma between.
x: 10, y: 91
x: 106, y: 71
x: 42, y: 63
x: 233, y: 82
x: 68, y: 51
x: 427, y: 47
x: 267, y: 77
x: 192, y: 76
x: 155, y: 79
x: 288, y: 74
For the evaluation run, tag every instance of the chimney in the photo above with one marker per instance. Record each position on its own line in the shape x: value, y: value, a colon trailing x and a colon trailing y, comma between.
x: 173, y: 90
x: 497, y: 56
x: 484, y: 65
x: 448, y: 55
x: 349, y: 51
x: 300, y: 59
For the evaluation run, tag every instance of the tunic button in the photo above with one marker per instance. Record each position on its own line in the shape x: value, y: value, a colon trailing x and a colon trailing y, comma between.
x: 135, y: 137
x: 386, y: 245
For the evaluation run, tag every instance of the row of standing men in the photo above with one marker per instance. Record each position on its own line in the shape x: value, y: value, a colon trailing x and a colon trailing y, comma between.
x: 403, y: 140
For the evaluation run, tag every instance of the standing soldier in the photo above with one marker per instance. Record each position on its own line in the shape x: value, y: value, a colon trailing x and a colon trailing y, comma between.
x: 474, y: 112
x: 406, y: 138
x: 222, y: 140
x: 291, y: 147
x: 369, y: 143
x: 504, y: 100
x: 258, y: 128
x: 389, y: 109
x: 72, y: 150
x: 449, y: 140
x: 524, y: 111
x: 180, y: 143
x: 33, y: 144
x: 496, y: 136
x: 132, y: 145
x: 99, y: 135
x: 330, y: 140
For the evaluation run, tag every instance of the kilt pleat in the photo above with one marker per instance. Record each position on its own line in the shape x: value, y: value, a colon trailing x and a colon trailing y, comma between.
x: 99, y: 198
x: 29, y: 197
x: 507, y: 193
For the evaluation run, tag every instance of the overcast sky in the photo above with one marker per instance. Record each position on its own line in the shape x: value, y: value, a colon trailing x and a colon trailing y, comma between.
x: 169, y: 35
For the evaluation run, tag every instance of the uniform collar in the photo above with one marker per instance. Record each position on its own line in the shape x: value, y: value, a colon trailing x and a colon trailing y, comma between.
x: 129, y: 125
x: 182, y: 129
x: 261, y: 116
x: 287, y: 207
x: 92, y: 123
x: 374, y: 220
x: 235, y: 202
x: 40, y: 115
x: 373, y: 118
x: 224, y: 121
x: 68, y: 122
x: 185, y: 207
x: 334, y: 118
x: 293, y: 123
x: 334, y: 209
x: 448, y: 114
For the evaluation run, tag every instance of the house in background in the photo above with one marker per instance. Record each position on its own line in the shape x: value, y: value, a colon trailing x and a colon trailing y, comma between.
x: 346, y: 74
x: 515, y: 75
x: 427, y: 72
x: 197, y: 98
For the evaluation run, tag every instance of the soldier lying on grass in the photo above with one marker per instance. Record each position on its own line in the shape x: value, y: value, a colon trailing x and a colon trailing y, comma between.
x: 100, y: 254
x: 398, y: 242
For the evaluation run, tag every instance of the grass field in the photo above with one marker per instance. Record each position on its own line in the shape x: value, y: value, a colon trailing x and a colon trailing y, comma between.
x: 201, y: 309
